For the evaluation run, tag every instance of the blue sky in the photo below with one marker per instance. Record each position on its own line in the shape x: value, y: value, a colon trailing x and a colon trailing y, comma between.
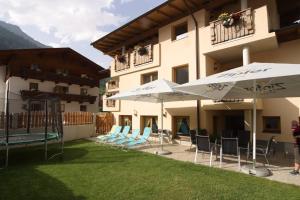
x: 73, y: 23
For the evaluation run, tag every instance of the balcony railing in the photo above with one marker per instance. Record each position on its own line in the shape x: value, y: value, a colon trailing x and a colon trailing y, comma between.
x: 122, y: 62
x: 57, y: 78
x: 143, y: 57
x: 241, y: 27
x: 26, y: 94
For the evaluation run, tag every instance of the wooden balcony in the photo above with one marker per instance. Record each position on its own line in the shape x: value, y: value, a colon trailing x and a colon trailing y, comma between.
x: 26, y: 94
x: 143, y: 57
x: 57, y: 78
x: 241, y: 27
x: 122, y: 62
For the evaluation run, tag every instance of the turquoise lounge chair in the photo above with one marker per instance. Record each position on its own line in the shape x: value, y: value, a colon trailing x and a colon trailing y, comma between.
x: 113, y: 128
x: 132, y: 138
x: 113, y: 134
x: 142, y: 140
x: 122, y: 135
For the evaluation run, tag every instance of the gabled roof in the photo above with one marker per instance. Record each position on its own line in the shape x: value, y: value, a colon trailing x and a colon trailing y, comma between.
x: 147, y: 25
x: 60, y: 57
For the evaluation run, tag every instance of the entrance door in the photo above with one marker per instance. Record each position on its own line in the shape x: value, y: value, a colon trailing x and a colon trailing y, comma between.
x: 234, y: 123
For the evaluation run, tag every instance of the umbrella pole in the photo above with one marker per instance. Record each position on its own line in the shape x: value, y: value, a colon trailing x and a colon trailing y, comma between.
x: 254, y: 125
x: 162, y: 124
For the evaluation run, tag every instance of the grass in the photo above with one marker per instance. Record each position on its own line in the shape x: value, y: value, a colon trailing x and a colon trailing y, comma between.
x: 90, y: 171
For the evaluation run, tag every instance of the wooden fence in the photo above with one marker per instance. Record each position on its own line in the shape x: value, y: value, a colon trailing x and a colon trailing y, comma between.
x: 37, y: 119
x: 104, y: 122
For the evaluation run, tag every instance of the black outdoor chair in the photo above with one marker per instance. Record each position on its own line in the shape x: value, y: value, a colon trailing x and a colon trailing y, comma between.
x: 227, y: 133
x: 230, y: 147
x: 193, y: 137
x: 204, y: 146
x: 265, y: 151
x: 244, y: 141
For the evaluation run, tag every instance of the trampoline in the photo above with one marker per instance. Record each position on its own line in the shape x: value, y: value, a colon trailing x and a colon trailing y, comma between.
x: 23, y: 139
x: 31, y: 120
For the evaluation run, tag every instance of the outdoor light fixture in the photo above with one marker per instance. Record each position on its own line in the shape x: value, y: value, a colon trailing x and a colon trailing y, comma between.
x: 135, y: 112
x: 165, y: 114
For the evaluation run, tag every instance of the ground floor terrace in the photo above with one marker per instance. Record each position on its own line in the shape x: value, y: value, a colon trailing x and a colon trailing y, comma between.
x: 228, y: 119
x: 96, y: 171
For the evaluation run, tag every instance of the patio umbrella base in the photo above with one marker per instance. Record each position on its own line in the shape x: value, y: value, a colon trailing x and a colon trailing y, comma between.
x: 162, y: 152
x: 260, y: 171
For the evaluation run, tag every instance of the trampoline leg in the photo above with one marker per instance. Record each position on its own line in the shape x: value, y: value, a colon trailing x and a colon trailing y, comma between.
x: 46, y: 150
x: 6, y: 159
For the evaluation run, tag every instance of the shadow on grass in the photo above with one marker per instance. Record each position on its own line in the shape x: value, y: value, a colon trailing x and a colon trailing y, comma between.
x: 30, y: 183
x: 74, y: 153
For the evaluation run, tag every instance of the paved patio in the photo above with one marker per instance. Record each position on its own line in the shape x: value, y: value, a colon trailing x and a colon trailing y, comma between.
x: 280, y: 165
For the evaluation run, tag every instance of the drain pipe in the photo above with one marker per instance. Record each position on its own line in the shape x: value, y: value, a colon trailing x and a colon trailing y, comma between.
x: 197, y: 59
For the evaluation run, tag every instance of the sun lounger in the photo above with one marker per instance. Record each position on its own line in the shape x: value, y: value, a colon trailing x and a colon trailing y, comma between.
x: 116, y: 132
x: 142, y: 140
x: 122, y: 135
x: 132, y: 138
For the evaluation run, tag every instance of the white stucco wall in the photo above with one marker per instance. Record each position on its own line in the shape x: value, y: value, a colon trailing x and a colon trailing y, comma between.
x: 17, y: 84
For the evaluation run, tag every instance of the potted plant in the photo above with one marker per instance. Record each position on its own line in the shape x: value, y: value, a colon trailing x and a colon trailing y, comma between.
x: 226, y: 19
x: 121, y: 58
x: 142, y: 51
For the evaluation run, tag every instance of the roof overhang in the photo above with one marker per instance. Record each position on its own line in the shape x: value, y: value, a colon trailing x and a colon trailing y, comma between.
x: 148, y: 24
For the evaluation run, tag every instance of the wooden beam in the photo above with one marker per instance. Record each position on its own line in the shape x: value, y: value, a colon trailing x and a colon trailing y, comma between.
x: 152, y: 20
x: 164, y: 14
x: 176, y: 8
x: 193, y: 3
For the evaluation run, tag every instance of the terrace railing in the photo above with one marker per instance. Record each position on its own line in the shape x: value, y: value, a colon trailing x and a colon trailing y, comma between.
x: 147, y: 57
x: 241, y: 27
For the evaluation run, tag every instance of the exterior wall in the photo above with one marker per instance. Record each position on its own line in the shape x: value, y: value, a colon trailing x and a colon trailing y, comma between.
x: 17, y: 84
x: 263, y: 48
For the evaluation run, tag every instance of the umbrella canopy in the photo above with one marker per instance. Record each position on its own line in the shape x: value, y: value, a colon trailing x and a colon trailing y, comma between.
x: 271, y: 81
x: 156, y: 91
x: 256, y: 80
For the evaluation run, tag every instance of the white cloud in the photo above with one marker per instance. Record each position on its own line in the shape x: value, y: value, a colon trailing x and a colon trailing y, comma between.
x: 67, y: 20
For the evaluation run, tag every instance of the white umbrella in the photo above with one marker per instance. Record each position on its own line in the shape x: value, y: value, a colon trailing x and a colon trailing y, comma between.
x: 158, y: 91
x: 256, y: 80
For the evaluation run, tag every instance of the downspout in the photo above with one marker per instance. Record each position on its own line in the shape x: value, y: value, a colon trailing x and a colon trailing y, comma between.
x: 197, y: 60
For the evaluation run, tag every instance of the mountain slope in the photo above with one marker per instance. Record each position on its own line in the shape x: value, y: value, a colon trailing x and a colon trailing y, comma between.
x: 12, y: 37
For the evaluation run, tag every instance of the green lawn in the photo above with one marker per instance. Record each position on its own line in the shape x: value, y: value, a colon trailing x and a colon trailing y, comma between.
x: 91, y: 171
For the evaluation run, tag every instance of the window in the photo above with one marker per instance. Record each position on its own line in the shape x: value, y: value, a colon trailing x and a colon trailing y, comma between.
x: 36, y: 106
x: 83, y: 108
x: 63, y: 72
x: 83, y: 91
x: 271, y: 124
x: 150, y: 121
x: 181, y: 74
x: 180, y: 31
x: 125, y: 120
x: 182, y: 125
x: 110, y: 102
x: 146, y: 78
x: 33, y: 86
x: 61, y: 89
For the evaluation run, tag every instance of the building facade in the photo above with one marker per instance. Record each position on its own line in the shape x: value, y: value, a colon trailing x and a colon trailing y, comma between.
x: 183, y: 40
x: 55, y: 71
